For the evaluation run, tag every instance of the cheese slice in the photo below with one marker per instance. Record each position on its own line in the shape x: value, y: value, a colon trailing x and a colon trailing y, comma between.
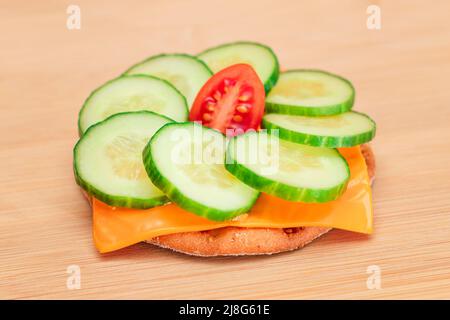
x: 116, y: 228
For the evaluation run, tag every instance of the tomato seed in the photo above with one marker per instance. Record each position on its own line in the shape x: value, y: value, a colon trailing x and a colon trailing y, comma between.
x: 217, y: 95
x: 244, y: 97
x: 237, y: 118
x: 207, y: 117
x: 242, y: 108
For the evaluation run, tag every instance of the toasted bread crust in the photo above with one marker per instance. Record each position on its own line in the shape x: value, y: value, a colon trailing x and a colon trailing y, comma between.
x: 234, y: 241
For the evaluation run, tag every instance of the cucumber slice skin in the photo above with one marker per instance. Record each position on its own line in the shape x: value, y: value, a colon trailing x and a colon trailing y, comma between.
x: 272, y: 79
x: 80, y: 129
x: 119, y: 201
x: 165, y: 55
x: 282, y: 190
x: 176, y: 196
x: 184, y: 55
x: 322, y: 141
x: 313, y: 111
x: 115, y: 200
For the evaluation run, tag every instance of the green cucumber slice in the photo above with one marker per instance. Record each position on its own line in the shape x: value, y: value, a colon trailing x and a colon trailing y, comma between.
x: 310, y: 93
x: 187, y: 73
x: 108, y: 160
x: 132, y: 93
x: 288, y: 170
x: 343, y: 130
x: 185, y: 161
x: 259, y: 56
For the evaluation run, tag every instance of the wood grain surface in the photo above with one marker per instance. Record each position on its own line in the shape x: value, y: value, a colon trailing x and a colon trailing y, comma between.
x: 401, y: 74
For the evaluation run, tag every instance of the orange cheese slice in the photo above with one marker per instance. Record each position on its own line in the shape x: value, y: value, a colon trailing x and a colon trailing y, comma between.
x: 116, y: 228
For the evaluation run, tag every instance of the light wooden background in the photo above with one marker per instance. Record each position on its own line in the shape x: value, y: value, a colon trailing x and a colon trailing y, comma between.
x: 401, y: 73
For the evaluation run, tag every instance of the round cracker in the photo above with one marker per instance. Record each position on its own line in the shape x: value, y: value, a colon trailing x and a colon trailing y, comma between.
x: 235, y: 241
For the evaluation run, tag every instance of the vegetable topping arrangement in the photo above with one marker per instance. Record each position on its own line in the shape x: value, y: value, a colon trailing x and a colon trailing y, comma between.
x: 211, y: 132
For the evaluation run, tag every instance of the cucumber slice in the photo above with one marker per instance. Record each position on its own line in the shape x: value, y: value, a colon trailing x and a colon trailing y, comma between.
x: 187, y: 73
x: 108, y: 160
x: 311, y: 93
x: 288, y: 170
x: 260, y: 57
x: 343, y: 130
x: 132, y: 93
x: 185, y: 160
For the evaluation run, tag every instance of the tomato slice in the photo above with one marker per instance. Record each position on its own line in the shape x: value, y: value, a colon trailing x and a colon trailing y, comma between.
x: 231, y: 101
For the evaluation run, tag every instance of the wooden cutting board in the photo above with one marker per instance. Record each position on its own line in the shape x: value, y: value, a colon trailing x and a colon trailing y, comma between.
x: 401, y: 74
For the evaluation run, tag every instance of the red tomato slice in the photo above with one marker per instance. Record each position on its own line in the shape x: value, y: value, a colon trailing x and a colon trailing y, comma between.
x: 231, y: 101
